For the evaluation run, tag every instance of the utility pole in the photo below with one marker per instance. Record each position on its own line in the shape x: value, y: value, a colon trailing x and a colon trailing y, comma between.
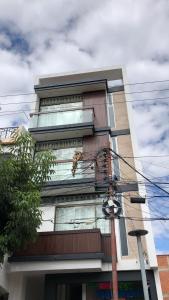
x: 138, y: 233
x: 114, y: 259
x: 108, y: 209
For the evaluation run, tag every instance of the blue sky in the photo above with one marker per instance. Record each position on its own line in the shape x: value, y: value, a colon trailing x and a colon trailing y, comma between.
x: 42, y: 37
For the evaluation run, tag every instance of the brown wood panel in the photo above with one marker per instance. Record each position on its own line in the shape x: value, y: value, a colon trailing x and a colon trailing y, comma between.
x: 91, y: 146
x: 66, y: 242
x: 97, y: 100
x: 106, y: 244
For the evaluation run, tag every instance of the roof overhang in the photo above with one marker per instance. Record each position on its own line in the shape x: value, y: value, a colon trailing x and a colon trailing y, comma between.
x: 54, y: 89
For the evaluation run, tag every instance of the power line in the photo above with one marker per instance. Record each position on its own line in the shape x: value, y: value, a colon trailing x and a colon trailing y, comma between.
x: 140, y: 210
x: 103, y: 218
x: 129, y: 84
x: 124, y: 156
x: 146, y: 156
x: 145, y: 219
x: 33, y: 111
x: 134, y: 100
x: 147, y: 82
x: 151, y: 210
x: 16, y: 95
x: 156, y: 196
x: 143, y: 182
x: 135, y: 170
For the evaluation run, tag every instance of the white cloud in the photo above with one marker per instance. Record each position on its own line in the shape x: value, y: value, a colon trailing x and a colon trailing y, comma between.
x: 4, y: 41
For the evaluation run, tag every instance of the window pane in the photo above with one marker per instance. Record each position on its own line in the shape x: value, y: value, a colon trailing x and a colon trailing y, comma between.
x: 62, y: 106
x: 65, y: 154
x: 63, y: 217
x: 82, y: 217
x: 63, y: 170
x: 64, y: 117
x: 102, y: 224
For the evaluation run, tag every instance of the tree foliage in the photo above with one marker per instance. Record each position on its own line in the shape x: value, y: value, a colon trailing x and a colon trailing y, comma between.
x: 22, y: 175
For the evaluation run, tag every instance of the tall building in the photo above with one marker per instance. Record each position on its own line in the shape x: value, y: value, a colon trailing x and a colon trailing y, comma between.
x: 77, y: 116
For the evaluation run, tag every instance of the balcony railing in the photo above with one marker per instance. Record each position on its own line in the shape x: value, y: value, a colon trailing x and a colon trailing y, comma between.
x: 67, y: 243
x: 6, y: 133
x: 61, y: 118
x: 54, y: 125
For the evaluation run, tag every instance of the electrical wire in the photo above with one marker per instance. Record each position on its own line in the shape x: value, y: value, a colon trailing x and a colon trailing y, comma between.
x: 127, y: 180
x: 134, y: 92
x: 103, y: 218
x: 75, y: 107
x: 135, y: 170
x: 127, y: 84
x: 7, y: 113
x: 146, y: 219
x: 147, y: 82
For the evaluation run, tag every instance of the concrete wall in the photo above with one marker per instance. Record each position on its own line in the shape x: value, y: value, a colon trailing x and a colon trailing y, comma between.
x: 4, y: 284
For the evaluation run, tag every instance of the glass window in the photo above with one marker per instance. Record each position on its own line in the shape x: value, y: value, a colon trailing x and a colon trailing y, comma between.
x: 64, y: 152
x: 61, y: 111
x: 68, y: 218
x: 61, y: 106
x: 111, y: 110
x: 63, y: 170
x: 81, y: 217
x: 59, y: 118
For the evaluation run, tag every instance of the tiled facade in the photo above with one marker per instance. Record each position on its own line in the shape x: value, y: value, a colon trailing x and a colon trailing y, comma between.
x: 163, y: 265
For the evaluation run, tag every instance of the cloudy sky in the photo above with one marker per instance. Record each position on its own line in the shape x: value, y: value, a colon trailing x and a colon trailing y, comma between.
x: 41, y: 37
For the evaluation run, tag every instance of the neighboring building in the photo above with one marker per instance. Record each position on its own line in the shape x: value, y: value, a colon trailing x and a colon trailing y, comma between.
x: 8, y: 135
x: 71, y: 259
x: 163, y: 265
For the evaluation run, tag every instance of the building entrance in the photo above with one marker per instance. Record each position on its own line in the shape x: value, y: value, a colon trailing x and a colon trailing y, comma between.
x: 74, y: 292
x: 69, y: 292
x: 97, y: 286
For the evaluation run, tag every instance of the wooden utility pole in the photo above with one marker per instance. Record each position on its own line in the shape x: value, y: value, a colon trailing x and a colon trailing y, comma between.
x: 114, y: 260
x: 113, y: 234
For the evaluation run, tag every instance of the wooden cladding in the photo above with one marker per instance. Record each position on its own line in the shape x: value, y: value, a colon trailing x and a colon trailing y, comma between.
x: 106, y: 245
x: 97, y: 100
x: 68, y: 242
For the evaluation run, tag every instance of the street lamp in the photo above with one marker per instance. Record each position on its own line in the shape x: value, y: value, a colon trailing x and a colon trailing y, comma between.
x: 138, y: 233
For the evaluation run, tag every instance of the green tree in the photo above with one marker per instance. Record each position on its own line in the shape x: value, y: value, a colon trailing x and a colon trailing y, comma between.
x: 22, y: 176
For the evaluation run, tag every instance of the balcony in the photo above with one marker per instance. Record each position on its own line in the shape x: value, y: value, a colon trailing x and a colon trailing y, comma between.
x: 61, y: 245
x: 62, y: 181
x: 53, y: 125
x: 7, y: 135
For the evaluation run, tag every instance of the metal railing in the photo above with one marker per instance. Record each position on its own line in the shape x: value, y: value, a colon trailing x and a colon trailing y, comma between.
x: 6, y: 133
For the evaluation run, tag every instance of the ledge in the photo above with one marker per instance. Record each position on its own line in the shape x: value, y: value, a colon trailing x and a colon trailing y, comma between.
x: 56, y: 257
